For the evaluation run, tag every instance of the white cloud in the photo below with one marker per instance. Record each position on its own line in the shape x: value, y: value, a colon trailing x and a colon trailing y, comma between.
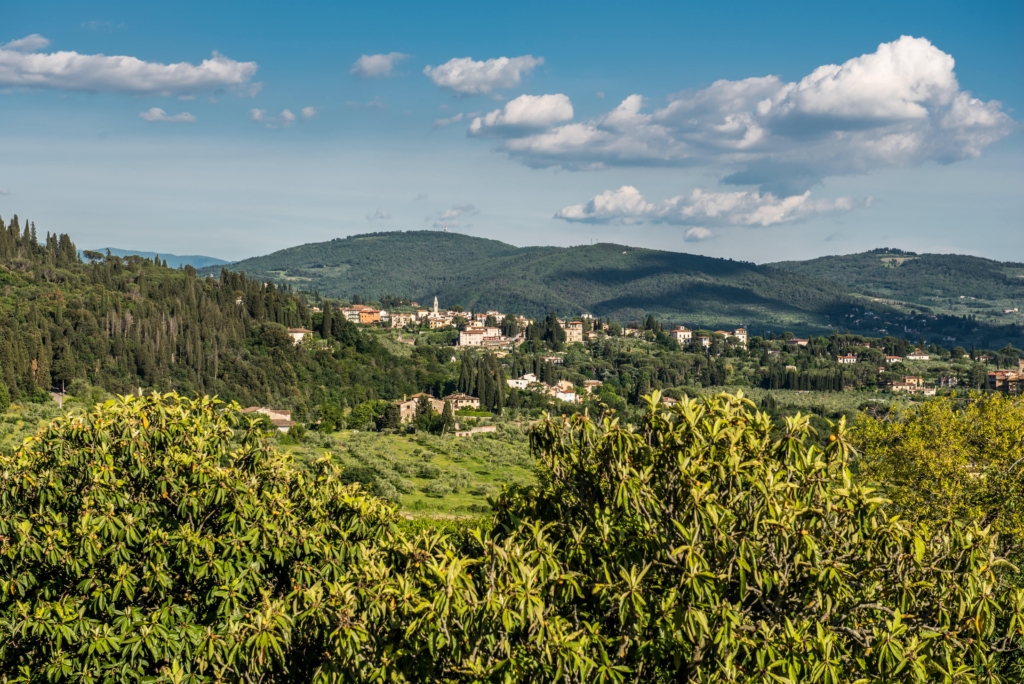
x: 697, y: 234
x: 455, y: 217
x: 379, y: 215
x: 524, y: 112
x: 117, y: 74
x: 32, y: 43
x: 898, y: 106
x: 309, y: 112
x: 286, y: 117
x: 701, y: 208
x: 5, y: 192
x: 376, y: 66
x: 441, y: 123
x: 157, y: 114
x: 465, y: 76
x: 252, y: 90
x: 257, y: 114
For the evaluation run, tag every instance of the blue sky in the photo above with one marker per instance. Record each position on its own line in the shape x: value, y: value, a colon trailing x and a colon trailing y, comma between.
x: 743, y: 130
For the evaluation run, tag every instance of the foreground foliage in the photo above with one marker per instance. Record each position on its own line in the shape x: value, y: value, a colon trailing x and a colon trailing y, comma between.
x: 952, y: 458
x: 161, y: 539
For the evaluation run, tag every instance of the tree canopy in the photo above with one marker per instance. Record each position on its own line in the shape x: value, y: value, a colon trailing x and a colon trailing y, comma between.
x: 162, y: 539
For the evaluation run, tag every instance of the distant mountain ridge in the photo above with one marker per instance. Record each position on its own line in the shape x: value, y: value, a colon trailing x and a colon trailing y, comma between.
x: 173, y: 260
x: 617, y: 281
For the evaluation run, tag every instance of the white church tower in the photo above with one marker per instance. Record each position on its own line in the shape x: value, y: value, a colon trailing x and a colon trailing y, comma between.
x: 435, y: 306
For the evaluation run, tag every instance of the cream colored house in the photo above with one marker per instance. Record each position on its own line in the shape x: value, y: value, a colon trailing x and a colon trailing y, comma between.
x: 299, y: 334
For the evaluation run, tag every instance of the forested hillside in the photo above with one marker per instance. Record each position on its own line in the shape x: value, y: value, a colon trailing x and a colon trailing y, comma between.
x: 606, y: 279
x: 122, y: 324
x: 627, y: 283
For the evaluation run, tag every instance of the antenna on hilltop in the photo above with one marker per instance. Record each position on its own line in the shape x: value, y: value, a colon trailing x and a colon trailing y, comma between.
x: 445, y: 228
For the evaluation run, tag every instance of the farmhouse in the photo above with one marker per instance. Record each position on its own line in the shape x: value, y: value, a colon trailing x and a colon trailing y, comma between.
x: 299, y: 334
x: 281, y: 418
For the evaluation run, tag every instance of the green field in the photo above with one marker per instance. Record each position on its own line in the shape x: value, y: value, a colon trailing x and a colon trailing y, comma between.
x: 426, y: 474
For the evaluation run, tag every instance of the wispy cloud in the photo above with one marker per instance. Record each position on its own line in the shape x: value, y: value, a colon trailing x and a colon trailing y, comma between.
x: 257, y: 114
x: 455, y: 217
x: 465, y: 76
x: 379, y: 215
x: 698, y: 234
x: 21, y: 64
x: 32, y: 43
x: 309, y: 112
x: 377, y: 66
x: 5, y: 192
x: 441, y: 123
x: 157, y: 114
x: 375, y: 103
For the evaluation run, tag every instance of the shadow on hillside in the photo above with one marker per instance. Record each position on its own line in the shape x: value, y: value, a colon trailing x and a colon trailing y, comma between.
x: 659, y: 264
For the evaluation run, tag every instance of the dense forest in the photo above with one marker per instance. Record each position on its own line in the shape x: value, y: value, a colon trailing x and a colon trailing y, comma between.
x: 605, y: 279
x: 627, y: 283
x: 126, y: 323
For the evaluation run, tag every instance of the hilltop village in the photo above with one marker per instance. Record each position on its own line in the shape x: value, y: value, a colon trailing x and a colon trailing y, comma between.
x: 556, y: 361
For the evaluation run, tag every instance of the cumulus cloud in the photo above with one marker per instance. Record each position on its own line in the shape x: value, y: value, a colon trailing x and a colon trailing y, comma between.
x: 898, y: 106
x: 455, y: 217
x: 379, y: 215
x: 377, y: 66
x: 524, y: 112
x: 701, y: 208
x: 441, y: 123
x: 465, y: 76
x: 32, y: 43
x: 309, y: 112
x: 157, y: 114
x: 257, y: 114
x: 286, y: 117
x: 22, y: 65
x: 697, y: 234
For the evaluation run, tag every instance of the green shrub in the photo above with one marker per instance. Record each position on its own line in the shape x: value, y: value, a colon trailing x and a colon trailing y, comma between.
x: 160, y: 539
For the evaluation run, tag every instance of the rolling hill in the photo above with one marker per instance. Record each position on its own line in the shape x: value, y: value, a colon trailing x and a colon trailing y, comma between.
x: 621, y: 282
x: 173, y: 260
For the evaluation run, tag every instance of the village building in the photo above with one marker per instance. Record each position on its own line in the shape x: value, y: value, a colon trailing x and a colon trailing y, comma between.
x: 573, y: 332
x: 407, y: 407
x: 918, y: 355
x: 705, y: 340
x: 523, y: 382
x: 281, y: 418
x: 741, y: 335
x: 893, y: 359
x: 847, y: 359
x: 368, y: 316
x: 682, y: 335
x: 399, y: 320
x: 299, y: 334
x: 1008, y: 380
x: 471, y: 337
x: 590, y: 385
x: 462, y: 401
x: 555, y: 360
x: 800, y: 341
x: 351, y: 314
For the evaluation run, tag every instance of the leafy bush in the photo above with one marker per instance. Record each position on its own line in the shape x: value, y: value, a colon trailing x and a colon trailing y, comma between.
x: 162, y: 539
x: 956, y: 457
